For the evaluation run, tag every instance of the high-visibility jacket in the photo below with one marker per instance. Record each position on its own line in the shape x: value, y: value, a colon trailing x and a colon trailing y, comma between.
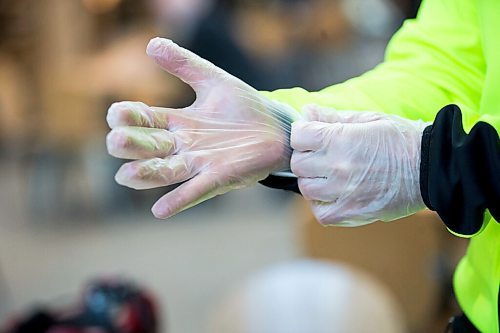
x: 449, y: 54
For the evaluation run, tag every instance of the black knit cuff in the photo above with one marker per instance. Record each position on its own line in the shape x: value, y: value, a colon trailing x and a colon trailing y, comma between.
x: 424, y: 166
x: 460, y: 172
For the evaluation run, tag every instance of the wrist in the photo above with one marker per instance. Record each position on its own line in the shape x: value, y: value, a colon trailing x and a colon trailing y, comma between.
x: 420, y: 158
x: 283, y: 115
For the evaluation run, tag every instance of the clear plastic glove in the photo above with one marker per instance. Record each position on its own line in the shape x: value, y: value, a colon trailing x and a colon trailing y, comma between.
x: 231, y: 137
x: 356, y: 167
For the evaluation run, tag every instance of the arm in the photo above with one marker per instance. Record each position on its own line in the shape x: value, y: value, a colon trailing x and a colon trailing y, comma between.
x: 433, y: 61
x: 356, y: 167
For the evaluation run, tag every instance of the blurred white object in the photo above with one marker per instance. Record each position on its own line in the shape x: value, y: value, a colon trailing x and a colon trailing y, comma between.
x: 308, y: 296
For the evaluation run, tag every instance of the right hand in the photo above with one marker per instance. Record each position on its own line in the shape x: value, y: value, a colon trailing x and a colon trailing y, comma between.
x: 357, y: 167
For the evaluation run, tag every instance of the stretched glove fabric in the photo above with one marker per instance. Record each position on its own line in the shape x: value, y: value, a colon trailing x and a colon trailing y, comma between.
x: 230, y: 137
x: 355, y: 167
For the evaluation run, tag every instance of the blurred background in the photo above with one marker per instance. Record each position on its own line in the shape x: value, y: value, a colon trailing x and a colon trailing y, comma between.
x: 63, y: 219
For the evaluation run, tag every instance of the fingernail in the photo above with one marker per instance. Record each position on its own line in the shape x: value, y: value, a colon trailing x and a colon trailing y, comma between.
x: 125, y: 174
x: 119, y: 178
x: 117, y: 140
x: 157, y: 45
x: 113, y: 114
x: 161, y: 212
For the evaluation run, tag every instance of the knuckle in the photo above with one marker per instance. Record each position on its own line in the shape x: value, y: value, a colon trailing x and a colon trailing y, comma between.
x: 294, y: 135
x: 341, y: 169
x: 304, y: 187
x: 296, y: 169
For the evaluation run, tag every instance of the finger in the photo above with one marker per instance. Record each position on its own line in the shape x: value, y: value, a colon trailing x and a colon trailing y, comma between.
x: 308, y: 136
x: 341, y: 212
x: 140, y: 142
x: 189, y: 194
x: 156, y: 172
x: 313, y: 112
x: 322, y: 211
x: 316, y: 189
x: 141, y: 115
x: 181, y: 62
x: 135, y: 114
x: 178, y: 118
x: 328, y: 213
x: 308, y: 164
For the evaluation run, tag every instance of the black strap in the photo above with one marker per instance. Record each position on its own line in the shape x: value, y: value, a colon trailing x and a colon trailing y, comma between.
x: 282, y: 183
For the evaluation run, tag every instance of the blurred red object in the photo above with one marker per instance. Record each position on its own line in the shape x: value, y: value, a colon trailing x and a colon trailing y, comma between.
x: 106, y: 306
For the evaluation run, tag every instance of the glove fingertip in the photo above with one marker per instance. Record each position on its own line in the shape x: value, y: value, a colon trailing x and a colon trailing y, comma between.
x: 126, y: 176
x: 161, y: 211
x: 116, y: 141
x: 157, y: 46
x: 120, y: 177
x: 115, y: 114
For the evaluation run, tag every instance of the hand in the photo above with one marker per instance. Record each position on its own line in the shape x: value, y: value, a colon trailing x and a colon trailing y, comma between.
x: 356, y: 167
x: 231, y: 137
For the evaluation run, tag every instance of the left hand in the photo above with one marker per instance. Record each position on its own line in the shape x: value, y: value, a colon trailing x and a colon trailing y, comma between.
x: 231, y: 137
x: 357, y: 167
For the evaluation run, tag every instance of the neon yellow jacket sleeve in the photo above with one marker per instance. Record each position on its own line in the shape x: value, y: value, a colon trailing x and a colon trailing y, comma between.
x: 433, y: 60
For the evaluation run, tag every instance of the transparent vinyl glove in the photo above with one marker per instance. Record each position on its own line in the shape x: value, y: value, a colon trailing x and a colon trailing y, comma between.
x: 357, y: 167
x: 229, y: 138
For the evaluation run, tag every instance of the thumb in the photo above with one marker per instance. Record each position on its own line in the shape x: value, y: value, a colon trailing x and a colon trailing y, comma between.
x: 182, y: 63
x: 314, y: 112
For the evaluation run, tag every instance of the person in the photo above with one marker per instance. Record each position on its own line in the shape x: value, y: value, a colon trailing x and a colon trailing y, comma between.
x: 390, y: 156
